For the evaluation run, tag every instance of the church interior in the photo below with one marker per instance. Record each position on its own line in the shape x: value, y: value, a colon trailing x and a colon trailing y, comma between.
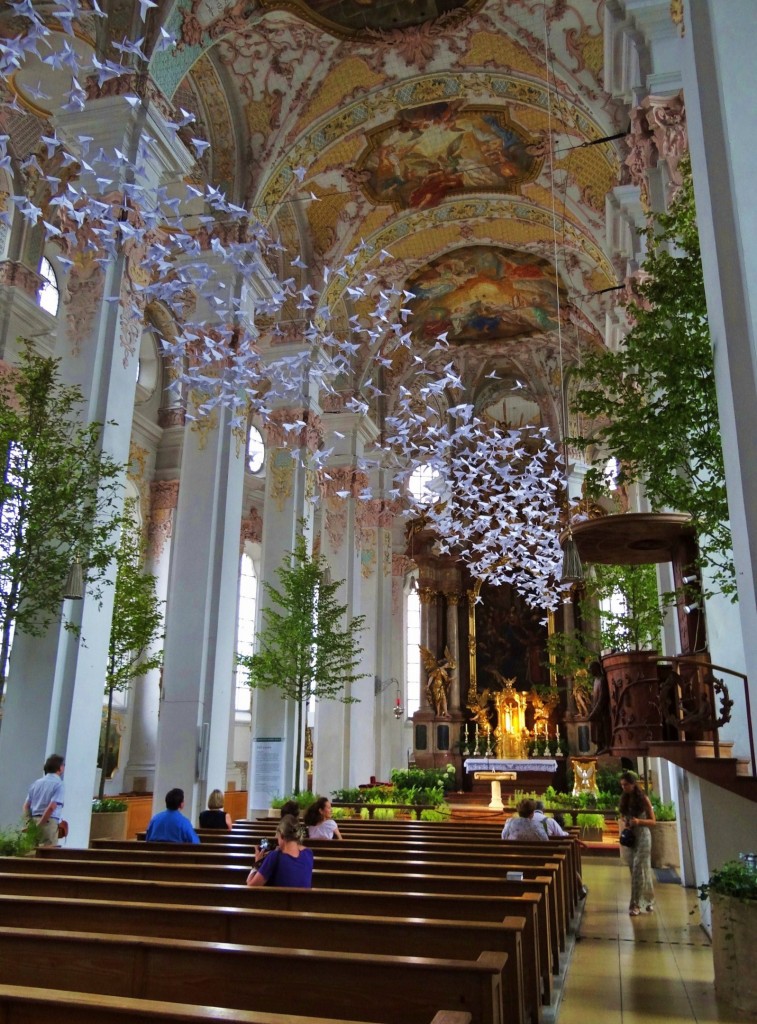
x: 330, y: 277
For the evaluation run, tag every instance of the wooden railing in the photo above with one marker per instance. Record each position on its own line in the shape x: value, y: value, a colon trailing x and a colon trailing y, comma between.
x: 691, y: 678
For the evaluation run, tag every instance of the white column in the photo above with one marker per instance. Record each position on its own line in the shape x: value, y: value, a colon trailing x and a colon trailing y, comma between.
x: 720, y: 81
x: 145, y: 702
x: 198, y: 667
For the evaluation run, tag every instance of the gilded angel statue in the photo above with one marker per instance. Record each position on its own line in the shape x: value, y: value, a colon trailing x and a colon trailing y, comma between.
x: 438, y: 679
x: 480, y: 710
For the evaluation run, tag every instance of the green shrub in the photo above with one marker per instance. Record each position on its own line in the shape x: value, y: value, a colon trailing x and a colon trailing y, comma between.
x: 341, y: 812
x: 17, y: 842
x: 608, y: 781
x: 348, y: 796
x: 734, y: 879
x: 439, y: 813
x: 384, y: 814
x: 567, y: 820
x: 109, y: 806
x: 590, y: 820
x: 424, y: 778
x: 662, y: 811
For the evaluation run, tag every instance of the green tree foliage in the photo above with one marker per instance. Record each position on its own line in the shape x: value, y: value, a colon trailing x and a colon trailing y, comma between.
x: 60, y: 497
x: 136, y: 627
x: 654, y: 399
x: 308, y: 647
x: 634, y: 621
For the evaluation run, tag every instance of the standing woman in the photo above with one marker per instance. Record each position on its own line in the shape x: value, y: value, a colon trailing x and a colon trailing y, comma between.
x: 637, y: 813
x: 319, y: 821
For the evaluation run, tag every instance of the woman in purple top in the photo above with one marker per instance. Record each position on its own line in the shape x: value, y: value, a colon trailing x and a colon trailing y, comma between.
x: 291, y: 865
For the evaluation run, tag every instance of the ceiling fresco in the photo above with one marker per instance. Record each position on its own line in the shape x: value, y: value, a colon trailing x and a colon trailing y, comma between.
x: 444, y: 149
x: 354, y: 17
x: 479, y: 294
x: 411, y: 137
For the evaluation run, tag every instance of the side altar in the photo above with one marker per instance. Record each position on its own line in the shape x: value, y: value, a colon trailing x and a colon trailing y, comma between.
x: 489, y: 774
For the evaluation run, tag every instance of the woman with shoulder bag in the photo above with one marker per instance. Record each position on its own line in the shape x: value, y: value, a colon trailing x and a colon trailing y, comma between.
x: 638, y: 815
x: 290, y: 865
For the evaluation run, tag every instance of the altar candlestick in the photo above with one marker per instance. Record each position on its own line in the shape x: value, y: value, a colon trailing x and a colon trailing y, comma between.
x: 557, y: 733
x: 476, y: 730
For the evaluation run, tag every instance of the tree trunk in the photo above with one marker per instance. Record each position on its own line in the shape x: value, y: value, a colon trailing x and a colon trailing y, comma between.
x: 298, y: 749
x: 106, y: 747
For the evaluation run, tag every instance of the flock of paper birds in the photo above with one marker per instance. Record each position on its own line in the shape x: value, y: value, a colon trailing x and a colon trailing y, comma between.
x: 495, y: 492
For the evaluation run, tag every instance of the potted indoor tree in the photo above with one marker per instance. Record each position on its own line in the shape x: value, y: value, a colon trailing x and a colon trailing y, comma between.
x: 629, y: 612
x: 664, y: 835
x: 732, y: 892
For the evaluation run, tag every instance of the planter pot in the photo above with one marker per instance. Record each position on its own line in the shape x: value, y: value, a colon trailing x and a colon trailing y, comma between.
x: 665, y: 845
x: 108, y: 826
x: 635, y: 714
x: 591, y: 834
x: 734, y: 939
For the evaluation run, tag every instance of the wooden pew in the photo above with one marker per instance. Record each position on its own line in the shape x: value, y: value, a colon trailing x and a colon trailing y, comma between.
x: 390, y: 988
x: 334, y: 855
x: 448, y: 837
x: 398, y: 936
x: 334, y: 901
x: 22, y: 1004
x: 158, y: 869
x: 186, y: 862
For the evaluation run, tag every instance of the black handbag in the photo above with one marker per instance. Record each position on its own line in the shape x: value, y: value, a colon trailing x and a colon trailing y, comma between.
x: 627, y: 837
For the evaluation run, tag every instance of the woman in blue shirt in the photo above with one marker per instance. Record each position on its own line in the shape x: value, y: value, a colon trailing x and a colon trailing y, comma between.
x: 291, y: 865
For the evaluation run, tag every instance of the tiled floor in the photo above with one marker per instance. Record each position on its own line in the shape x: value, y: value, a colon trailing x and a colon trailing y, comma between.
x: 651, y: 969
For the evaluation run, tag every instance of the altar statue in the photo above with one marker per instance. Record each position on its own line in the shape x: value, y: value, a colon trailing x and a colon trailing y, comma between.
x: 438, y: 680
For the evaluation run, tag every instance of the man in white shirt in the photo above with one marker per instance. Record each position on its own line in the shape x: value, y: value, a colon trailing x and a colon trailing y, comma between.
x: 551, y: 827
x: 45, y: 800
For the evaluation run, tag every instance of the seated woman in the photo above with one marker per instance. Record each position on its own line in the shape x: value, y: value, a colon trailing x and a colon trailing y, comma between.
x: 319, y: 821
x: 290, y: 866
x: 524, y: 826
x: 215, y: 817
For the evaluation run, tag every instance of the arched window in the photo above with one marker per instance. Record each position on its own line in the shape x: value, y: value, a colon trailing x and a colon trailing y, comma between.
x: 255, y: 450
x: 248, y: 601
x: 412, y: 652
x: 48, y: 296
x: 421, y: 483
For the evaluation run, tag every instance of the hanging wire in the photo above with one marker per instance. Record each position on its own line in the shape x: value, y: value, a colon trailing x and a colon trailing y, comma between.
x: 572, y: 570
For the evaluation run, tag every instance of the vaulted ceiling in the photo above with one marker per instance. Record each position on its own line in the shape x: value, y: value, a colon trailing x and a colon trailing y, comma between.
x: 421, y: 131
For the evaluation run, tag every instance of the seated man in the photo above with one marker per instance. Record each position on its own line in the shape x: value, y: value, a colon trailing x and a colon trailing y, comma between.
x: 170, y: 826
x: 550, y: 826
x: 523, y: 826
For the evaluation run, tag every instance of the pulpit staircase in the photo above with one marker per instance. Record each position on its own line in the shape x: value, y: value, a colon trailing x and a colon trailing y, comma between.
x: 694, y: 705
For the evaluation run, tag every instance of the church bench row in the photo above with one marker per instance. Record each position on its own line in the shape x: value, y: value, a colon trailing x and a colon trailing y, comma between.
x: 387, y: 833
x: 24, y: 1004
x: 154, y: 860
x: 508, y: 857
x: 28, y: 880
x: 387, y: 988
x: 335, y: 932
x: 161, y: 866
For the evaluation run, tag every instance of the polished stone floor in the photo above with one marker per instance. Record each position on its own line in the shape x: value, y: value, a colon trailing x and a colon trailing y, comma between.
x: 651, y: 969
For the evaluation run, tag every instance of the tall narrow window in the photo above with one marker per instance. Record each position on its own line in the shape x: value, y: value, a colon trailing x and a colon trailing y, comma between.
x: 255, y: 450
x: 49, y: 293
x: 412, y: 653
x: 248, y: 600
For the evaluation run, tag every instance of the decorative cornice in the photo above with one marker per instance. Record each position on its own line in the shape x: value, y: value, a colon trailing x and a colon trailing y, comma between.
x: 309, y: 433
x: 175, y: 416
x: 17, y: 275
